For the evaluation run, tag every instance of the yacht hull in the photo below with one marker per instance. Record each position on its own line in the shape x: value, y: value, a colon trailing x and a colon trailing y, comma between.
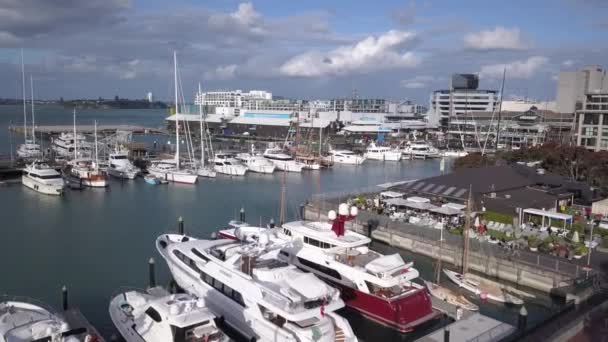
x: 346, y: 161
x: 47, y: 189
x: 289, y: 166
x: 123, y: 174
x: 387, y: 156
x: 230, y: 171
x: 261, y: 168
x: 176, y: 177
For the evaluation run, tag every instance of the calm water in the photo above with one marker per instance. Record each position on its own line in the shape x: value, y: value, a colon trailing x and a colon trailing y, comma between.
x: 98, y: 240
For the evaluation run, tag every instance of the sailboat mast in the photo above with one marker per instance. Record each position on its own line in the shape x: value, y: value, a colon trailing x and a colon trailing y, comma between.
x: 502, y: 89
x: 200, y: 114
x: 176, y: 111
x: 23, y: 95
x: 439, y: 259
x: 96, y: 156
x: 282, y: 210
x: 75, y: 140
x: 465, y: 233
x: 33, y: 117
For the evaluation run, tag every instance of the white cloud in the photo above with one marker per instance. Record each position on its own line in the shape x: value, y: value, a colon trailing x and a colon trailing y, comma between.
x: 516, y: 69
x: 372, y: 53
x: 221, y: 73
x: 417, y: 82
x: 568, y: 63
x: 499, y: 38
x: 246, y: 14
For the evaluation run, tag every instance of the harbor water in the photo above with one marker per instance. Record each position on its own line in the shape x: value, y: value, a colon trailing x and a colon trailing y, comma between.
x: 96, y: 241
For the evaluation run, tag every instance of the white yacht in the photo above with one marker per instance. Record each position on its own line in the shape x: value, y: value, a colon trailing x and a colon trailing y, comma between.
x: 345, y: 157
x: 225, y: 163
x: 382, y: 153
x: 379, y: 286
x: 158, y: 316
x: 40, y: 177
x: 120, y: 166
x: 29, y: 150
x: 257, y: 295
x: 65, y: 144
x: 282, y: 161
x: 168, y: 170
x: 421, y: 150
x: 87, y: 173
x: 24, y: 320
x: 256, y: 162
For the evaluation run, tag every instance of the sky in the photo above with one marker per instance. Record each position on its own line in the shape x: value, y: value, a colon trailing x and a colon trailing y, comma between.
x: 299, y: 49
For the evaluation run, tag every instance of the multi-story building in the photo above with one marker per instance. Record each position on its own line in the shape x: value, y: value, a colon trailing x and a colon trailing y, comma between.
x: 572, y: 87
x: 592, y: 122
x: 462, y: 98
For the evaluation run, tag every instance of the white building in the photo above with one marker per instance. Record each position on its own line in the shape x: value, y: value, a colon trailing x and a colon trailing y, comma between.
x: 460, y: 102
x: 572, y: 87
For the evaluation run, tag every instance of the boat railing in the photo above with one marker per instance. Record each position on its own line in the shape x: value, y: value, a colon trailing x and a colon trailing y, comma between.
x: 28, y: 300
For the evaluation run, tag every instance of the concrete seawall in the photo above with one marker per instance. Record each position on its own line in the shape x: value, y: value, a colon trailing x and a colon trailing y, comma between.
x: 514, y: 271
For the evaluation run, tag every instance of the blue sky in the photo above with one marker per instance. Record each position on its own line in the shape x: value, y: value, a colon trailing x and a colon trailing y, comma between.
x: 305, y: 49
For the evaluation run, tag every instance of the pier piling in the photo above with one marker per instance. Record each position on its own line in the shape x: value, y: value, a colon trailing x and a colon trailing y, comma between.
x: 64, y: 297
x: 522, y: 319
x: 151, y: 273
x: 271, y: 224
x: 180, y: 226
x: 302, y: 211
x: 446, y: 334
x: 242, y: 215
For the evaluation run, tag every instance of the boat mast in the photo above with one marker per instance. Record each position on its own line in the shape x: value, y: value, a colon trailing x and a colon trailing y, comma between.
x: 75, y: 140
x: 96, y: 157
x: 502, y: 89
x: 465, y: 233
x: 33, y: 125
x: 23, y: 95
x: 200, y: 114
x: 282, y: 209
x: 438, y: 270
x: 176, y: 111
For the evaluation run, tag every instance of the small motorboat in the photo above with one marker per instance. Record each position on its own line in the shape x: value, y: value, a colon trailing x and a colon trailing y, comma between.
x: 484, y: 288
x: 151, y: 179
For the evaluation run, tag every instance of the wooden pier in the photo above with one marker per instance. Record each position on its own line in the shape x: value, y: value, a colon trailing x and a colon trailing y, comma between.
x: 89, y: 129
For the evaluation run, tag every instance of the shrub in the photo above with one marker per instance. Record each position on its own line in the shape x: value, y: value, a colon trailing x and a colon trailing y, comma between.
x: 498, y: 217
x: 581, y: 250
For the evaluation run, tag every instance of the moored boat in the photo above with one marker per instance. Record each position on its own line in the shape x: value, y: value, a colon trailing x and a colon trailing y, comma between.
x: 42, y: 178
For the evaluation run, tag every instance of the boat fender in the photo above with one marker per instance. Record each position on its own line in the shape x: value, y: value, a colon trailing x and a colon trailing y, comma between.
x: 483, y: 296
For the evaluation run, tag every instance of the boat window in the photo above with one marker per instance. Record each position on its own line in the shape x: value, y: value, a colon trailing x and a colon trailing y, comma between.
x: 218, y: 285
x: 284, y: 253
x: 218, y: 164
x: 325, y: 270
x: 154, y: 315
x: 287, y: 231
x: 51, y: 177
x: 223, y: 289
x: 312, y: 242
x: 187, y: 261
x: 199, y: 254
x: 119, y: 157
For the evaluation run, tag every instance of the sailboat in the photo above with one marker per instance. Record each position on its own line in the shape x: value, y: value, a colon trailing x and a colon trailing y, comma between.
x: 170, y: 169
x: 29, y: 149
x: 85, y: 171
x: 444, y: 293
x: 484, y: 288
x: 203, y: 170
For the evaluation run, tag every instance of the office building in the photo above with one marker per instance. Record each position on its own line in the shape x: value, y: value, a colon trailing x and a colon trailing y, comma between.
x: 592, y: 122
x: 572, y: 87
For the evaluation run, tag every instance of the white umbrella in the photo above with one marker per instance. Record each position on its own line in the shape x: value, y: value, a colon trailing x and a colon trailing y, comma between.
x: 575, y: 238
x: 477, y: 224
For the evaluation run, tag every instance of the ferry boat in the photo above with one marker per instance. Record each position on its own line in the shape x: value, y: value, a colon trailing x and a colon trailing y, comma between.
x: 120, y: 166
x: 42, y: 178
x: 87, y: 173
x: 256, y: 163
x: 382, y: 153
x: 283, y: 161
x: 225, y: 163
x: 24, y: 319
x: 158, y: 316
x: 256, y: 294
x: 379, y: 286
x: 345, y: 157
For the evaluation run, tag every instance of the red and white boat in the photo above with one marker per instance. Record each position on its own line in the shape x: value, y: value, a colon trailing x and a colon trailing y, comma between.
x: 379, y: 286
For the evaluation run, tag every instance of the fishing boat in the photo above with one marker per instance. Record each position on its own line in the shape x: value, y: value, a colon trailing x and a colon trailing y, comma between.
x: 24, y: 319
x: 382, y: 153
x: 170, y: 169
x: 257, y: 295
x: 203, y: 170
x: 151, y: 179
x: 158, y: 316
x: 484, y: 288
x: 42, y: 178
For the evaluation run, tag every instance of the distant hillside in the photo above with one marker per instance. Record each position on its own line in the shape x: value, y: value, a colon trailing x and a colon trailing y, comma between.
x: 115, y: 103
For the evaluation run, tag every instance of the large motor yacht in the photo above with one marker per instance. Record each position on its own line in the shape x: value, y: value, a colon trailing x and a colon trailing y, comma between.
x: 29, y: 150
x: 120, y: 166
x: 382, y: 153
x: 158, y: 316
x: 168, y: 169
x: 23, y: 319
x: 283, y: 161
x: 226, y: 164
x: 257, y: 295
x: 65, y: 143
x: 421, y: 150
x: 379, y: 286
x: 40, y: 177
x: 256, y: 163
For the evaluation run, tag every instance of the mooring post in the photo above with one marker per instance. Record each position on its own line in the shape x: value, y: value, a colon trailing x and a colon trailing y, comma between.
x: 180, y: 226
x: 302, y: 211
x: 151, y: 273
x: 242, y: 215
x: 64, y: 297
x: 271, y: 224
x: 522, y: 319
x: 446, y: 334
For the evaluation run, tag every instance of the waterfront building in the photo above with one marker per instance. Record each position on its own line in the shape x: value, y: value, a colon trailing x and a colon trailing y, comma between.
x: 150, y: 97
x: 572, y: 87
x: 592, y: 122
x: 461, y: 98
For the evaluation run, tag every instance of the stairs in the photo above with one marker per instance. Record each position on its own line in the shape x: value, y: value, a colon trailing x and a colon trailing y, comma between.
x: 339, y: 337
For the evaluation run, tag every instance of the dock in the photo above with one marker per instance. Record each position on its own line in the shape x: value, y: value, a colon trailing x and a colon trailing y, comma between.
x: 89, y: 129
x: 475, y: 327
x: 76, y: 320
